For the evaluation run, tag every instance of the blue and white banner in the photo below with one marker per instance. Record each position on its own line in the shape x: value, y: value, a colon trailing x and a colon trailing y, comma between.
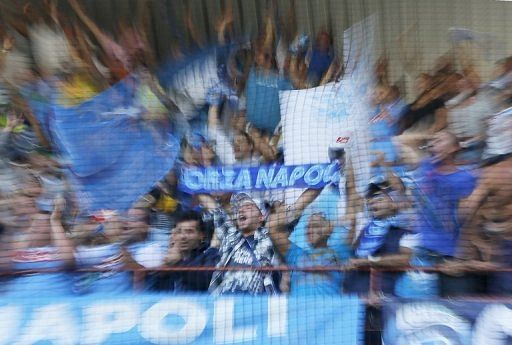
x: 193, y: 319
x: 215, y: 179
x: 447, y: 323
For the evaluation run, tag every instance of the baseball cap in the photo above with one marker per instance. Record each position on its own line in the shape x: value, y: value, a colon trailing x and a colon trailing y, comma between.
x: 377, y: 184
x: 243, y: 198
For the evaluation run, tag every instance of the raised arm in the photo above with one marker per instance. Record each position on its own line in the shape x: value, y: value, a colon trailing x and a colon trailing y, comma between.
x: 222, y: 222
x: 262, y: 145
x: 270, y: 30
x: 469, y: 206
x: 409, y: 147
x: 278, y: 232
x: 110, y: 47
x: 440, y: 122
x: 59, y: 238
x: 331, y: 72
x: 224, y: 147
x: 410, y: 62
x: 225, y: 24
x: 91, y: 25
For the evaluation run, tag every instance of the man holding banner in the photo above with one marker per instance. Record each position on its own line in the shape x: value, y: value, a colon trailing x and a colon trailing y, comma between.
x: 243, y: 243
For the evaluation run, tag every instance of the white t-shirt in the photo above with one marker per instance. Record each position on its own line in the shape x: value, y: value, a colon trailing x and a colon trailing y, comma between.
x: 190, y: 86
x: 50, y: 49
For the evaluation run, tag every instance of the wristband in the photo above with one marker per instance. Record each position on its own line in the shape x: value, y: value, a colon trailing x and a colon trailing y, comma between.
x: 248, y: 127
x: 374, y: 258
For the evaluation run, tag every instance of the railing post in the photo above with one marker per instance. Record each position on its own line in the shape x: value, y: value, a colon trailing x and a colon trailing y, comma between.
x: 373, y: 293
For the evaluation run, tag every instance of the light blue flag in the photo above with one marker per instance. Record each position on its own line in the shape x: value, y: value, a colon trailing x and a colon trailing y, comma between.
x: 262, y: 92
x: 113, y: 156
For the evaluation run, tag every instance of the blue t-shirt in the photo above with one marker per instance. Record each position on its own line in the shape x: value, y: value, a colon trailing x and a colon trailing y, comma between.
x: 437, y: 196
x: 376, y: 239
x: 387, y: 126
x: 383, y: 128
x: 316, y: 282
x: 319, y: 64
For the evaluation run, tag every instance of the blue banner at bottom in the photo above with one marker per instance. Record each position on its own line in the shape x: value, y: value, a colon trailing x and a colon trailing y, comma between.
x: 187, y: 319
x: 447, y: 323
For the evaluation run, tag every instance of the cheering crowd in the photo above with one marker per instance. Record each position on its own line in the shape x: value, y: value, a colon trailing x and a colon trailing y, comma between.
x: 438, y: 195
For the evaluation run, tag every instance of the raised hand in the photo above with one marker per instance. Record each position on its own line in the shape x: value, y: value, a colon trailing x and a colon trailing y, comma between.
x: 13, y: 121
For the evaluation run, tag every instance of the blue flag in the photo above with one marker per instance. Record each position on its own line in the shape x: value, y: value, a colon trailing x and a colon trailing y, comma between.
x: 113, y: 154
x: 262, y: 92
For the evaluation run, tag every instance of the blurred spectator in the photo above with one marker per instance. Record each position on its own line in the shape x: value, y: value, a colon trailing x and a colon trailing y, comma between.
x: 386, y: 241
x: 487, y: 213
x: 244, y: 242
x: 189, y: 247
x: 318, y: 253
x: 37, y: 241
x: 437, y: 188
x: 427, y: 113
x: 101, y: 245
x: 389, y: 108
x: 467, y: 117
x: 321, y: 57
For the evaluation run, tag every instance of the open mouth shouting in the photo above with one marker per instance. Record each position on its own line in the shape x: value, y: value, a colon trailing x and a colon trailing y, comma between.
x: 241, y: 218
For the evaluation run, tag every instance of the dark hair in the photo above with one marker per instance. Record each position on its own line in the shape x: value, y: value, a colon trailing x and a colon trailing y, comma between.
x: 246, y: 136
x: 187, y: 216
x: 376, y: 188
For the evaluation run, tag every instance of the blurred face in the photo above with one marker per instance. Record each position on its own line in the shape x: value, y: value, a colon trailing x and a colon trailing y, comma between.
x: 318, y: 231
x: 249, y: 217
x: 380, y: 94
x: 323, y: 42
x: 207, y: 155
x: 239, y: 121
x: 23, y: 205
x: 441, y: 147
x: 40, y: 229
x: 263, y: 59
x: 242, y: 147
x: 191, y: 156
x: 381, y: 205
x: 187, y: 236
x: 135, y: 224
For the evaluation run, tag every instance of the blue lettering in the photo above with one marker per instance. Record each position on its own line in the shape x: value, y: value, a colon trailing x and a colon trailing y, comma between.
x: 314, y: 175
x: 193, y: 178
x: 281, y: 178
x: 297, y: 173
x: 229, y: 178
x: 264, y: 177
x: 212, y: 179
x: 243, y: 181
x: 331, y: 172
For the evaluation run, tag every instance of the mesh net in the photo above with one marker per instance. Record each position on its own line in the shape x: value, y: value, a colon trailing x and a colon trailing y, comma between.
x: 256, y: 172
